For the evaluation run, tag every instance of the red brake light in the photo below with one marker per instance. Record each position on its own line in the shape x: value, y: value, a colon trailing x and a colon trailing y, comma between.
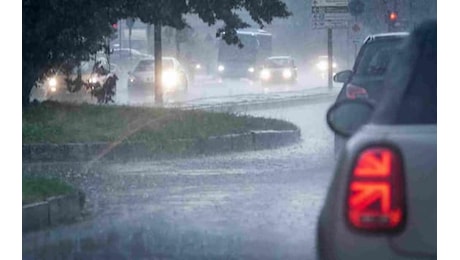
x: 375, y: 199
x: 354, y: 92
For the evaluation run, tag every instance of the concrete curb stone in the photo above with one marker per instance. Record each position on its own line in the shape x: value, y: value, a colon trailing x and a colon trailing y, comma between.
x: 53, y: 211
x: 254, y: 140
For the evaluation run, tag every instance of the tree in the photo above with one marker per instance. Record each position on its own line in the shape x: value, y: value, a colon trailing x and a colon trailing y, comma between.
x: 58, y: 31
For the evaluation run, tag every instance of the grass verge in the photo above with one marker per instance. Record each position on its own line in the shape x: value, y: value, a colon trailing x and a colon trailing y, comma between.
x: 52, y: 122
x: 39, y: 189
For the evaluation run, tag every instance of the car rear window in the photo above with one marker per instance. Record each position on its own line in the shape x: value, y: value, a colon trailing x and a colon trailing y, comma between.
x: 376, y: 57
x: 411, y: 93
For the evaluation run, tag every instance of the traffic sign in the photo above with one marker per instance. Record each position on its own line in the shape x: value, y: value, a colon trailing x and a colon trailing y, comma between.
x: 330, y: 14
x: 356, y: 7
x: 130, y: 22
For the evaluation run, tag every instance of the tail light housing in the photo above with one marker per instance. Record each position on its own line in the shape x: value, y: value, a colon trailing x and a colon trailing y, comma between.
x: 376, y: 195
x: 354, y: 92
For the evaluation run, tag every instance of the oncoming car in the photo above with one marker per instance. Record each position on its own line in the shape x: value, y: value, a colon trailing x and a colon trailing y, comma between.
x: 141, y: 80
x: 321, y: 66
x: 382, y: 202
x: 278, y: 69
x: 56, y: 83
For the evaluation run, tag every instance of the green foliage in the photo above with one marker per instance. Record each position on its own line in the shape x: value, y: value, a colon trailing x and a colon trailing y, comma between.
x: 39, y: 189
x: 52, y: 122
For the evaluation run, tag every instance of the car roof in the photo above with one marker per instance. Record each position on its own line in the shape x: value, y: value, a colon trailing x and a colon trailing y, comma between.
x: 386, y: 36
x: 152, y: 58
x: 253, y: 32
x: 279, y: 58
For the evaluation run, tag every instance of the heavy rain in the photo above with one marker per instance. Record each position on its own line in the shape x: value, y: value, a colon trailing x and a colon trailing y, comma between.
x: 279, y: 129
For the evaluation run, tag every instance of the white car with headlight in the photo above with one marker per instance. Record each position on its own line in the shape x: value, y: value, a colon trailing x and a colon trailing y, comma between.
x: 322, y: 64
x: 55, y: 83
x: 141, y: 80
x: 278, y: 69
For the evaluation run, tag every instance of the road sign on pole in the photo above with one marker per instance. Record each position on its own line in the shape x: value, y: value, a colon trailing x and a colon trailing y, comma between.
x: 332, y: 14
x: 130, y: 23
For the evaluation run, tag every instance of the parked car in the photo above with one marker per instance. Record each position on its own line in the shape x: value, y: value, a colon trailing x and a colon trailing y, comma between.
x: 278, y: 69
x: 366, y: 78
x: 382, y: 200
x: 141, y: 80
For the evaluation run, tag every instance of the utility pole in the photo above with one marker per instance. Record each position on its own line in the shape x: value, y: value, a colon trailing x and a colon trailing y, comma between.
x: 158, y: 67
x: 329, y: 56
x: 120, y: 33
x: 129, y: 24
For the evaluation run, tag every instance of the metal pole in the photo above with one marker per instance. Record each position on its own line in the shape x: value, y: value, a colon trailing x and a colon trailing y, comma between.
x: 130, y: 32
x: 158, y: 67
x: 120, y: 32
x: 329, y: 56
x: 354, y: 42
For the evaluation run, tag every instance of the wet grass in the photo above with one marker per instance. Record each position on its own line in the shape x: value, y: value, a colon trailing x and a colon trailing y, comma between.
x: 39, y: 189
x: 52, y: 122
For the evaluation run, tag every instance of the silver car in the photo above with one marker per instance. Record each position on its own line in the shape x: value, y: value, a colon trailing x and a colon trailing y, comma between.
x: 142, y: 79
x: 382, y: 202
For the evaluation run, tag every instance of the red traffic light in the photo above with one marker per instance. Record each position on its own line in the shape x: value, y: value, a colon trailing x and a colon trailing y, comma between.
x: 115, y: 26
x: 393, y: 16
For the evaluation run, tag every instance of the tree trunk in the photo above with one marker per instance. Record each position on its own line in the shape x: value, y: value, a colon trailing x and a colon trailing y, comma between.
x: 149, y: 39
x: 158, y: 67
x: 178, y: 54
x: 28, y: 82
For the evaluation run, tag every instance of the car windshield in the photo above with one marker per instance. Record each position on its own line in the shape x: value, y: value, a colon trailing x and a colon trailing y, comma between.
x: 149, y: 65
x: 278, y: 63
x: 228, y: 149
x: 376, y: 57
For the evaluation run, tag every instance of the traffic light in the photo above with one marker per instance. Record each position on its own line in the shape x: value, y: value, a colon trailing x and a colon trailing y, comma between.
x: 392, y: 20
x: 115, y: 31
x: 393, y: 16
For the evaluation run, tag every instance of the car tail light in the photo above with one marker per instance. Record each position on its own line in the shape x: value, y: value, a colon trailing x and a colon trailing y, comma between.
x: 354, y: 92
x: 375, y: 200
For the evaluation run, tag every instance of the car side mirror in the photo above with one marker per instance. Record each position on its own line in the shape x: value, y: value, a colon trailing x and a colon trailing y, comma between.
x: 346, y: 117
x: 343, y: 76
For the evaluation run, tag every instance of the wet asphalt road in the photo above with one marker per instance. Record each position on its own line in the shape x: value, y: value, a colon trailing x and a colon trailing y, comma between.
x: 251, y: 205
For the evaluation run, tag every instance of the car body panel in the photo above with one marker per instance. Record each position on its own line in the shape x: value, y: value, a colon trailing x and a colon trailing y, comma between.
x: 338, y: 240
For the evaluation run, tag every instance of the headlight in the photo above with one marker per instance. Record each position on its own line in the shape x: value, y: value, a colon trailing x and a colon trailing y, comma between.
x: 287, y: 73
x: 265, y: 74
x: 251, y: 70
x: 221, y: 68
x: 198, y: 66
x: 52, y: 82
x: 170, y: 78
x: 322, y: 65
x: 93, y: 79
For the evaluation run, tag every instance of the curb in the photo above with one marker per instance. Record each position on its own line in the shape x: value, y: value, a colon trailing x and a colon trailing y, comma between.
x: 254, y: 140
x: 267, y: 103
x: 53, y: 211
